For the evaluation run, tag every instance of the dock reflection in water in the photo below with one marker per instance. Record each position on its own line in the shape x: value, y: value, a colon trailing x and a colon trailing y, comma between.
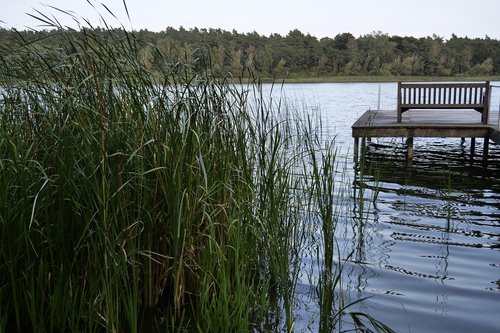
x: 427, y: 248
x: 433, y: 255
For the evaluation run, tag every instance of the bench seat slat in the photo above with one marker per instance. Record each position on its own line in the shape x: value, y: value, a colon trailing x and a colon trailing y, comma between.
x: 442, y: 106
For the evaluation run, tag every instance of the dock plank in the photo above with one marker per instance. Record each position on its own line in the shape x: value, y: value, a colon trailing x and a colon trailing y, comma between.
x: 422, y: 123
x: 441, y: 123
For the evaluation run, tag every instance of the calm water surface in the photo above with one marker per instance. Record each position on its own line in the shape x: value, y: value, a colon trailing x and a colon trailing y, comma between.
x: 428, y: 248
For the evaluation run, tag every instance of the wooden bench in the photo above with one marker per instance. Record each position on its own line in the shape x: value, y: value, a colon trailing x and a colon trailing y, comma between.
x: 444, y: 96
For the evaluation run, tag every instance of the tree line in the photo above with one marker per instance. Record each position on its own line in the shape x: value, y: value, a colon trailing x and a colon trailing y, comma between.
x: 297, y: 54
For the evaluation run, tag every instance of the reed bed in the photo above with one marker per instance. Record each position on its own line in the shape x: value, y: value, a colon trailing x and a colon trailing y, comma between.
x: 166, y: 200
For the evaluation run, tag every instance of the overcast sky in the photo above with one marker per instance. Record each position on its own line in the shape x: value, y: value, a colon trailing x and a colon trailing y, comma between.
x: 320, y: 18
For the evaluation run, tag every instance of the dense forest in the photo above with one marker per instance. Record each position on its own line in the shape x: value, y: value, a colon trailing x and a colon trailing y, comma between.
x: 296, y: 55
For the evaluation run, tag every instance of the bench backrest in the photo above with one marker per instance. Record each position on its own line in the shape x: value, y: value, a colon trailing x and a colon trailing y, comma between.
x: 443, y: 95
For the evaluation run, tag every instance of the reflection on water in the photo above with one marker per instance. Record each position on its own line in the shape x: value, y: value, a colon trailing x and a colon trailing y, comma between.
x: 435, y: 239
x: 424, y: 239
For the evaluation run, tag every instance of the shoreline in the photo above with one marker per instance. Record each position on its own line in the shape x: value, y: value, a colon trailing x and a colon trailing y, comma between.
x: 379, y: 79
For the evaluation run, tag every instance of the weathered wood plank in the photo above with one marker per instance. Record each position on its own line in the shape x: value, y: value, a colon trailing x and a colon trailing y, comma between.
x: 448, y: 106
x: 432, y: 110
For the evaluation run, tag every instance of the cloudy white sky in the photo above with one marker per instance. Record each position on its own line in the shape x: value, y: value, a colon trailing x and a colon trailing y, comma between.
x: 320, y: 18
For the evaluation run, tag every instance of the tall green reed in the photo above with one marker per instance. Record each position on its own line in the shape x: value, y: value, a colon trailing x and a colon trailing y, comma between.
x: 127, y: 192
x: 150, y: 196
x: 326, y: 214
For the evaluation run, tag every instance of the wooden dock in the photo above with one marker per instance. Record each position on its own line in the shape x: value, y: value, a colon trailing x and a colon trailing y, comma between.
x: 440, y: 123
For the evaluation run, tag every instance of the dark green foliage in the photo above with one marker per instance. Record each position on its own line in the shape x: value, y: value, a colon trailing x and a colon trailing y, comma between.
x: 298, y: 55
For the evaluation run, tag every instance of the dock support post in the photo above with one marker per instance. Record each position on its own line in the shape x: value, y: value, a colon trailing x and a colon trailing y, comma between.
x: 472, y: 147
x: 356, y: 149
x: 486, y: 146
x: 363, y: 147
x: 409, y: 151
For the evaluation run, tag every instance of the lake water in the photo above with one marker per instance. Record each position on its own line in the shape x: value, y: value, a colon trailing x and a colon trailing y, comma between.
x: 427, y: 250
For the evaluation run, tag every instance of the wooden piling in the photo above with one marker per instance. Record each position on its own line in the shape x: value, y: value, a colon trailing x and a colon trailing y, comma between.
x: 409, y: 149
x: 486, y: 145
